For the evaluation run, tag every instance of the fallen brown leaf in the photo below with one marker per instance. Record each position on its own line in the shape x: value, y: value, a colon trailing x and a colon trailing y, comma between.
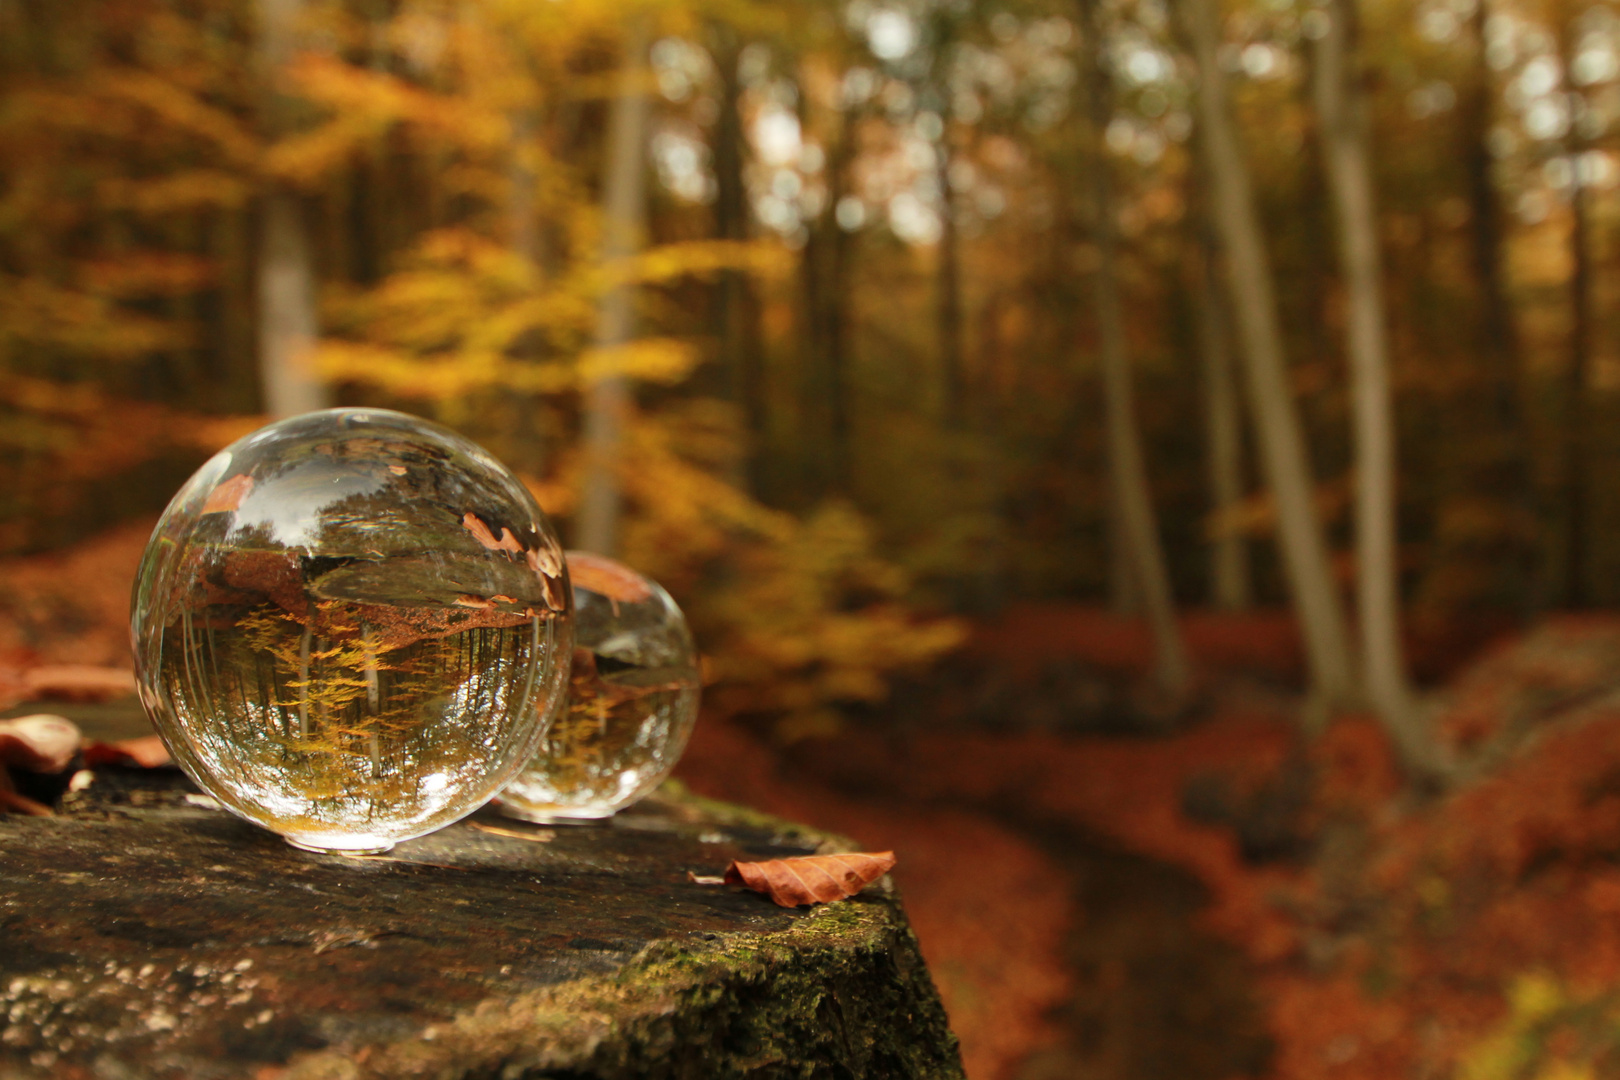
x: 21, y: 804
x: 39, y: 743
x: 811, y: 879
x: 147, y: 752
x: 77, y: 681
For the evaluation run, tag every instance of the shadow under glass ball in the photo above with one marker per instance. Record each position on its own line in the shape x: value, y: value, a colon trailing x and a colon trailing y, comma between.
x: 352, y: 627
x: 632, y: 701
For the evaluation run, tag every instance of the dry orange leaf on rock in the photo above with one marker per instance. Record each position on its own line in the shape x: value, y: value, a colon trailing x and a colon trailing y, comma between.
x: 812, y: 879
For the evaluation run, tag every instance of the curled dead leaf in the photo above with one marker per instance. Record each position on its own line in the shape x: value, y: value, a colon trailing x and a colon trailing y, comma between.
x: 611, y: 579
x: 811, y: 879
x: 41, y: 743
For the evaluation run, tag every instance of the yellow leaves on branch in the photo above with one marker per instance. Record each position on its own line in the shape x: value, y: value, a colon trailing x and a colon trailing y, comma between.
x: 363, y: 104
x: 38, y: 312
x: 453, y: 320
x: 797, y: 616
x: 662, y: 360
x: 700, y: 258
x: 817, y: 620
x: 655, y: 360
x: 177, y: 192
x: 180, y: 110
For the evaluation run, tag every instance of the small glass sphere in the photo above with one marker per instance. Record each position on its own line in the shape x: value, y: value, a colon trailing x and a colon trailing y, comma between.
x: 632, y: 700
x: 352, y: 627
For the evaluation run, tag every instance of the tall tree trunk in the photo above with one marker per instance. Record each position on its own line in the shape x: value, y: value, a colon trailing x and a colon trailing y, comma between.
x: 1489, y: 435
x: 286, y: 286
x: 1138, y: 524
x: 948, y: 295
x: 1281, y: 443
x: 1124, y: 593
x: 1231, y: 586
x: 528, y: 239
x: 522, y: 223
x: 736, y: 312
x: 825, y: 265
x: 1349, y: 172
x: 837, y: 319
x: 624, y: 219
x: 1578, y: 371
x: 1577, y: 377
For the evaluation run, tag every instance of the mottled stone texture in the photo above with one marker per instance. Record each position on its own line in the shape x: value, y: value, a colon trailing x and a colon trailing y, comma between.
x: 145, y: 934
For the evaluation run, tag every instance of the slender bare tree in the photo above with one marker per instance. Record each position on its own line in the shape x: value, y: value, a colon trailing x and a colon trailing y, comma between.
x: 736, y: 311
x: 624, y: 219
x: 1138, y: 525
x: 286, y: 279
x: 948, y: 290
x: 1578, y: 372
x: 826, y: 267
x: 1282, y: 447
x: 1486, y: 432
x: 1231, y: 585
x: 1342, y: 120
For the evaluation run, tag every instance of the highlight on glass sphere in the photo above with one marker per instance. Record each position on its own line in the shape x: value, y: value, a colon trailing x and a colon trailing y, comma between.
x: 632, y: 700
x: 352, y: 627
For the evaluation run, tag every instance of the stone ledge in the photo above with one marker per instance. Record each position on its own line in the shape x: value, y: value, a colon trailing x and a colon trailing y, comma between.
x: 144, y: 936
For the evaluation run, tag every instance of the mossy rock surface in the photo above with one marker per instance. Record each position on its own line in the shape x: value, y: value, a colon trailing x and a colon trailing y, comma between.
x: 146, y: 935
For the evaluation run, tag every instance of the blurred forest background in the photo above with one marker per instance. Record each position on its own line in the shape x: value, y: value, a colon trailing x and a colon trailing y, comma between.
x: 1155, y: 446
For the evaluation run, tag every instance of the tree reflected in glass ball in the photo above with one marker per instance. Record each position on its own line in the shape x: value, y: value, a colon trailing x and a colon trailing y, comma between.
x: 352, y: 627
x: 632, y: 700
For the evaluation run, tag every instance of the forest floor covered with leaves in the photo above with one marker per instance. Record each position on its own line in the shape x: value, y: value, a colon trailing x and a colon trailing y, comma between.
x: 1107, y: 888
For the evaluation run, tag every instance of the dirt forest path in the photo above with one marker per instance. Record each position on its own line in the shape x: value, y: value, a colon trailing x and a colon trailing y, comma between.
x: 1153, y: 997
x: 1061, y: 955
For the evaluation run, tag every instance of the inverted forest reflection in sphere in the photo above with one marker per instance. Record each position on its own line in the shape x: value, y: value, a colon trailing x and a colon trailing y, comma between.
x: 352, y: 627
x: 632, y: 700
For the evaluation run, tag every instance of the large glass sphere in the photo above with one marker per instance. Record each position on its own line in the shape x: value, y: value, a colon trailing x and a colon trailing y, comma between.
x: 632, y: 700
x: 352, y: 627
